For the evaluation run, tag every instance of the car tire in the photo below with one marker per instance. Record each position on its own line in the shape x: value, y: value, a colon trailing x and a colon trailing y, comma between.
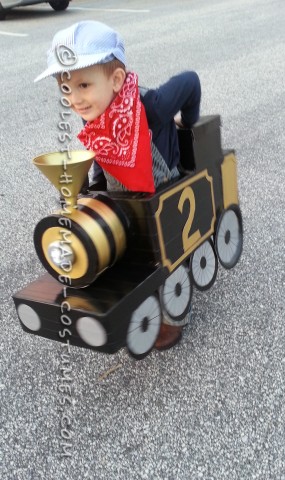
x: 59, y: 4
x: 3, y: 12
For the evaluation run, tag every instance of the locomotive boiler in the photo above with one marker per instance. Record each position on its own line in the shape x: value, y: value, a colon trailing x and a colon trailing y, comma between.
x: 118, y: 261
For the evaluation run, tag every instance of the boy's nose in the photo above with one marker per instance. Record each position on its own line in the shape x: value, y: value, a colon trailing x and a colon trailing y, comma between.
x: 75, y: 98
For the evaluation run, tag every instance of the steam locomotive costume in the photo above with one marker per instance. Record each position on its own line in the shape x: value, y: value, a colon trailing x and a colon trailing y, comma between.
x: 137, y: 129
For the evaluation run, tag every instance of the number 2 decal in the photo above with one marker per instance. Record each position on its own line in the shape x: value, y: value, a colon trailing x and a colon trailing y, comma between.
x: 185, y: 216
x: 187, y: 239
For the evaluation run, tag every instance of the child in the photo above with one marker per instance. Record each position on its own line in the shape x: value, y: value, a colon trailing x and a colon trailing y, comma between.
x: 131, y: 130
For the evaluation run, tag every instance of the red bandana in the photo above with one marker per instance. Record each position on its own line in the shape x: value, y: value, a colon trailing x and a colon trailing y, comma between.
x: 120, y: 137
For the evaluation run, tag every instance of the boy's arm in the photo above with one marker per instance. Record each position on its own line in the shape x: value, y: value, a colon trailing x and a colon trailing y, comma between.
x: 181, y: 93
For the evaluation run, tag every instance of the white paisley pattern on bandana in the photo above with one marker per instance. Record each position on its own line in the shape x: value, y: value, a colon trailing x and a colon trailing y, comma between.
x: 114, y: 136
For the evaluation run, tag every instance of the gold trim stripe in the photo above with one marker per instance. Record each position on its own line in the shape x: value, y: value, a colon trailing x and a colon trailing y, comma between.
x: 229, y: 179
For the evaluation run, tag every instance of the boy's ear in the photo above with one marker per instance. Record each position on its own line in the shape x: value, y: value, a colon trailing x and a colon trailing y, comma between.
x: 119, y: 76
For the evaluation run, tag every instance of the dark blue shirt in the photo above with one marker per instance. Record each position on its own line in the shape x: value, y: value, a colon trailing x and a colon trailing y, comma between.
x: 181, y: 93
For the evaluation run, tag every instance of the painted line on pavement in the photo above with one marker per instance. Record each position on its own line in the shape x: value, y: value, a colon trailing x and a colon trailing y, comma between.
x: 14, y: 34
x: 123, y: 10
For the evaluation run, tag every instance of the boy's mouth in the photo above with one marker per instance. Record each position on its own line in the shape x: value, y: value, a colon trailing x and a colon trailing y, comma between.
x: 83, y: 110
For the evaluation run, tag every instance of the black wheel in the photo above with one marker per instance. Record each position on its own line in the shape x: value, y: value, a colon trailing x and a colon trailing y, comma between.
x: 3, y: 13
x: 59, y: 4
x: 176, y: 294
x: 204, y: 266
x: 144, y: 328
x: 229, y: 237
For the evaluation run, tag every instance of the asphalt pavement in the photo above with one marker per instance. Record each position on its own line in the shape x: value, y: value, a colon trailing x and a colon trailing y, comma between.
x: 213, y: 407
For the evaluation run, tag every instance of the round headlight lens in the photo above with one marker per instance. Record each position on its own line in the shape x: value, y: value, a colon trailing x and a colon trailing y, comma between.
x: 60, y: 254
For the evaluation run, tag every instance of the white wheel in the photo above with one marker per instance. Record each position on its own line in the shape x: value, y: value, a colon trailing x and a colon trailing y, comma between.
x: 204, y: 266
x: 144, y: 327
x: 229, y: 237
x: 176, y: 294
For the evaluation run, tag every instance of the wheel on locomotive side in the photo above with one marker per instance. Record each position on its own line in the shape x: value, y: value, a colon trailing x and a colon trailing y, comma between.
x: 176, y: 294
x: 204, y: 266
x: 144, y: 328
x: 229, y: 236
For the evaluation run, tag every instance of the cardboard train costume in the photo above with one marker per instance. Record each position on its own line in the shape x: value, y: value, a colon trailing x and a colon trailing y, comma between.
x: 120, y: 261
x: 138, y: 254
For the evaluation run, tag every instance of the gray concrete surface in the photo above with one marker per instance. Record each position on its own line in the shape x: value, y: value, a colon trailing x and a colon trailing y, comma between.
x: 212, y: 408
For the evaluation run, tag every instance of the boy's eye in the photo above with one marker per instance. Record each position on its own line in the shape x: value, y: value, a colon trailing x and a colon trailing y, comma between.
x: 83, y: 85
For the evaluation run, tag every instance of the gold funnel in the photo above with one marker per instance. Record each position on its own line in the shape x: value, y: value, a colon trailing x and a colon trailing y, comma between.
x: 66, y: 172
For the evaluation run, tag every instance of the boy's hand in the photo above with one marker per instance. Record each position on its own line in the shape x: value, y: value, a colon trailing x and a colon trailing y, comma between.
x: 178, y: 120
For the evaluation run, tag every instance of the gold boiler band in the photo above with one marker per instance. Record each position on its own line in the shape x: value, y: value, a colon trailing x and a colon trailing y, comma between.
x: 97, y: 236
x: 111, y: 219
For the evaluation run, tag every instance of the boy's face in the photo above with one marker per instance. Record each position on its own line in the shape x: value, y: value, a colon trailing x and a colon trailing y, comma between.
x: 91, y: 91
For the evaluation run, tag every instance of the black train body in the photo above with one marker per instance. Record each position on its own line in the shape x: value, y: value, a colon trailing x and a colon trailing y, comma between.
x: 138, y: 255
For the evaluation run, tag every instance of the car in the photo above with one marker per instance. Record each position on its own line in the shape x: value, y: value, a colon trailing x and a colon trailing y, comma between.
x: 6, y: 5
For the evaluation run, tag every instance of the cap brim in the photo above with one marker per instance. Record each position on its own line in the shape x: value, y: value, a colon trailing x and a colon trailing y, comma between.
x: 83, y: 61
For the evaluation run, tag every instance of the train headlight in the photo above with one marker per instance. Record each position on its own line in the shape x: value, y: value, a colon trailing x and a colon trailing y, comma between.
x: 60, y: 254
x: 82, y: 245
